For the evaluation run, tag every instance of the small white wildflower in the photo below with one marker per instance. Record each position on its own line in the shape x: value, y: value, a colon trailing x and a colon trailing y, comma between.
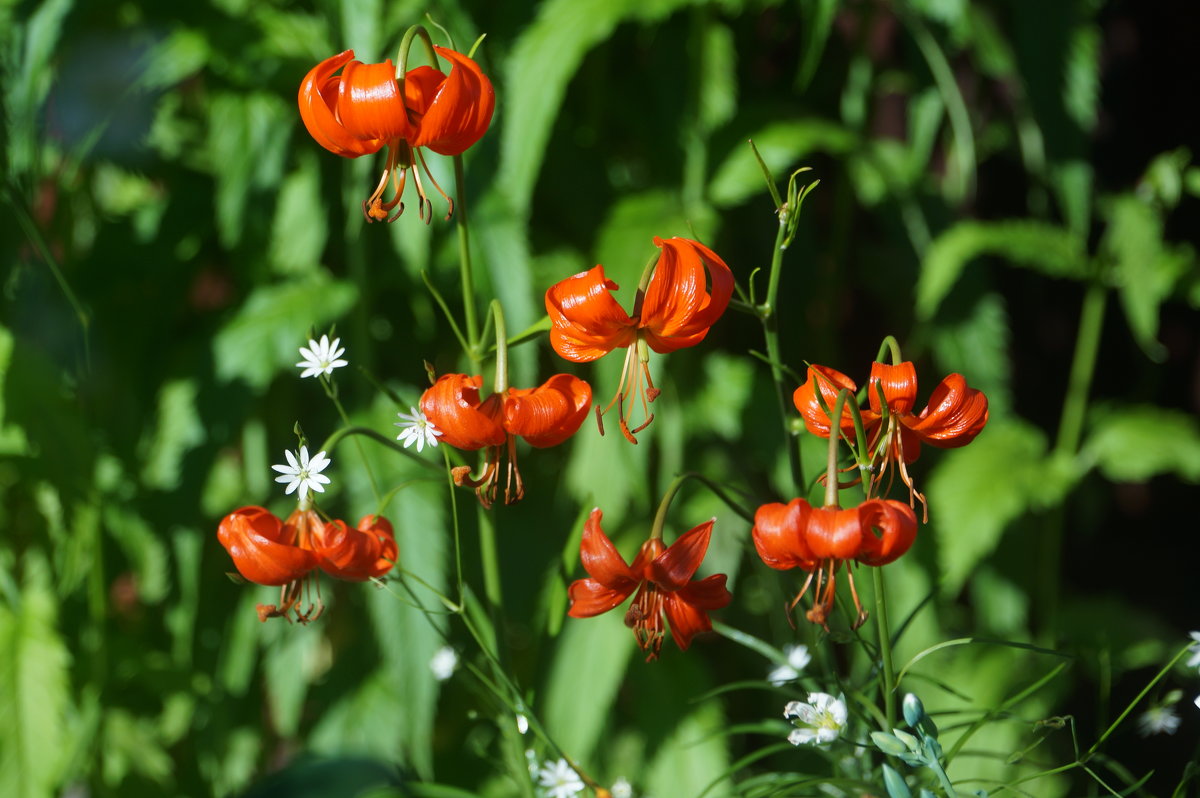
x: 1158, y: 720
x: 522, y: 724
x: 416, y: 428
x: 797, y: 660
x: 305, y: 474
x: 621, y: 789
x: 444, y: 663
x: 559, y: 780
x: 1194, y: 662
x: 321, y: 357
x: 823, y: 717
x: 1197, y: 702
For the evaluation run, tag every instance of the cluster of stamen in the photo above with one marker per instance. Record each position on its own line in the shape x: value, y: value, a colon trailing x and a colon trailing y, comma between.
x: 487, y: 485
x: 292, y: 597
x: 824, y: 594
x: 889, y: 447
x: 645, y: 618
x: 637, y: 386
x: 402, y: 157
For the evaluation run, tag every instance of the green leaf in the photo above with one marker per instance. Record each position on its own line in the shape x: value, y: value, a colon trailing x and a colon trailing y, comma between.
x: 132, y: 743
x: 976, y: 344
x: 1133, y: 444
x: 693, y: 757
x: 265, y: 335
x: 294, y: 656
x: 783, y: 145
x: 144, y: 548
x: 245, y: 152
x: 590, y: 661
x: 178, y: 430
x: 26, y: 91
x: 182, y: 54
x: 717, y: 83
x: 301, y: 220
x: 1081, y: 81
x: 12, y: 437
x: 34, y: 687
x: 818, y: 21
x: 1043, y: 247
x: 969, y: 507
x: 552, y: 49
x: 1145, y: 270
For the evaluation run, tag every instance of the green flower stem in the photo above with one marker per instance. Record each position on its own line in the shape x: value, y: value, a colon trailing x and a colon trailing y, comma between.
x: 831, y: 462
x: 1132, y: 704
x: 1070, y: 430
x: 406, y: 44
x: 452, y: 488
x: 770, y: 324
x: 336, y: 438
x: 464, y: 260
x: 660, y: 517
x: 501, y: 381
x: 889, y: 344
x: 331, y: 392
x: 888, y: 688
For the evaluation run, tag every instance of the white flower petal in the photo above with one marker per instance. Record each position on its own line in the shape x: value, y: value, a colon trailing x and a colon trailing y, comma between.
x: 801, y: 736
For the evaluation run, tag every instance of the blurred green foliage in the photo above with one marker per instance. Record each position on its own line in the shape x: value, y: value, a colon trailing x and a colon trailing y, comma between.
x: 172, y: 236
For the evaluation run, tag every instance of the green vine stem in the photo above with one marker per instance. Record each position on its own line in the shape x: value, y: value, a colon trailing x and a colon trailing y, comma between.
x: 888, y: 687
x: 464, y: 260
x: 770, y: 325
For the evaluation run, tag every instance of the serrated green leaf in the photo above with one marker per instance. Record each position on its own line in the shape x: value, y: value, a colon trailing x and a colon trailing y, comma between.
x: 1133, y: 444
x: 977, y: 345
x: 1145, y: 270
x: 969, y: 507
x: 590, y: 659
x: 34, y: 687
x: 177, y: 431
x: 783, y: 145
x: 265, y: 335
x: 1046, y: 248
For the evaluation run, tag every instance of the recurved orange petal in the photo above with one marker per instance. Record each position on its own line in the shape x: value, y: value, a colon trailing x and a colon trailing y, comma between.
x: 588, y: 323
x: 899, y: 387
x: 830, y: 382
x: 955, y: 414
x: 688, y: 292
x: 685, y: 619
x: 460, y: 111
x: 897, y: 529
x: 589, y: 598
x: 675, y: 567
x: 318, y: 100
x: 834, y: 534
x: 262, y: 547
x: 601, y: 559
x: 549, y: 414
x: 466, y: 420
x: 778, y: 535
x: 370, y: 103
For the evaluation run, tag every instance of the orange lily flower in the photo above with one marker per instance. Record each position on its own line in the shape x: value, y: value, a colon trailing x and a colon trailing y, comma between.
x: 820, y: 539
x: 662, y: 577
x: 955, y: 414
x: 688, y: 291
x: 544, y: 416
x: 366, y: 108
x: 268, y: 551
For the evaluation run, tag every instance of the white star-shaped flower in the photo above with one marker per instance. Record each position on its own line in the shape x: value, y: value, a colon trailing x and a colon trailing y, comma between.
x: 304, y: 474
x: 559, y: 780
x: 321, y: 357
x: 797, y: 659
x: 621, y: 789
x: 1158, y: 720
x: 416, y: 428
x: 823, y: 717
x: 1194, y: 662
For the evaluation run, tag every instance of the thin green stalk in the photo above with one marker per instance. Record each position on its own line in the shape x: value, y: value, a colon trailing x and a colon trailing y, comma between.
x: 331, y: 392
x: 464, y: 260
x: 770, y: 324
x: 336, y: 438
x: 885, y: 649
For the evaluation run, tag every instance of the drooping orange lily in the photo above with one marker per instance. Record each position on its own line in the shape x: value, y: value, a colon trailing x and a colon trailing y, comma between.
x: 544, y: 416
x: 955, y: 414
x: 661, y: 575
x: 674, y: 308
x: 268, y: 551
x: 367, y: 108
x: 820, y: 539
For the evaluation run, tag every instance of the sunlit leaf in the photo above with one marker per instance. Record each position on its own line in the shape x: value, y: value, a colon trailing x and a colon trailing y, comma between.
x: 34, y: 687
x: 177, y: 431
x: 1046, y: 248
x: 265, y: 335
x: 301, y: 220
x: 1133, y: 444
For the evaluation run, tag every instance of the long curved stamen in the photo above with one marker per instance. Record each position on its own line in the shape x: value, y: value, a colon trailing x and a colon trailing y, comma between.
x: 420, y: 156
x: 374, y: 208
x: 645, y: 617
x: 513, y: 473
x: 637, y: 386
x: 862, y: 614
